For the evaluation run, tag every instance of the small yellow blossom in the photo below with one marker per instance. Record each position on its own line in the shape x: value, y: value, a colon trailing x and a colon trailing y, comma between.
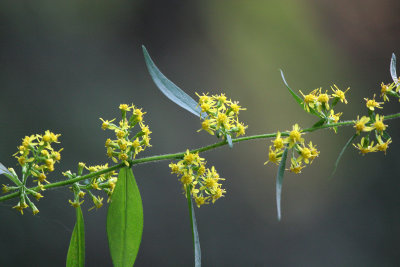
x: 294, y: 136
x: 372, y: 104
x: 200, y: 200
x: 309, y: 100
x: 382, y: 146
x: 339, y: 93
x: 386, y: 89
x: 274, y: 156
x: 296, y: 166
x: 20, y: 207
x: 360, y: 126
x: 278, y: 142
x: 365, y: 147
x: 378, y: 124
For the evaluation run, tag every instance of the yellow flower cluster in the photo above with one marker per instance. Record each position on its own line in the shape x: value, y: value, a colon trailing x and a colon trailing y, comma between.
x: 318, y: 102
x: 392, y: 89
x: 105, y: 182
x: 375, y: 122
x: 222, y: 115
x: 202, y: 182
x: 294, y: 141
x: 38, y: 156
x: 125, y: 147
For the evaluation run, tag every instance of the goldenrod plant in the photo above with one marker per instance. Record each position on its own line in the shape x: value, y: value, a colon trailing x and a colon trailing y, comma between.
x: 201, y: 184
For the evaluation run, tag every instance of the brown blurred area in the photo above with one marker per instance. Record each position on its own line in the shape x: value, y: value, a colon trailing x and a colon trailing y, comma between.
x: 63, y: 65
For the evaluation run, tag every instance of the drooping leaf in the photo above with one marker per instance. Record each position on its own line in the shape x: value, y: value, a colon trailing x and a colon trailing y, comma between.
x: 279, y: 181
x: 169, y: 89
x: 76, y: 250
x: 229, y: 140
x: 342, y: 152
x: 393, y: 72
x: 195, y: 233
x: 125, y: 220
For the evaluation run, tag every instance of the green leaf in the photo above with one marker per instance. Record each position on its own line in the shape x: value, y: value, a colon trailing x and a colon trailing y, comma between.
x: 76, y: 250
x: 10, y: 175
x: 279, y: 181
x: 169, y: 89
x: 342, y: 152
x: 125, y: 220
x: 393, y: 72
x: 4, y: 170
x: 295, y: 96
x: 319, y: 123
x: 195, y: 233
x: 229, y: 140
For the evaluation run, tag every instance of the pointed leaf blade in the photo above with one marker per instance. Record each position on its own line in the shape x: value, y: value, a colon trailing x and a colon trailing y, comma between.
x: 279, y: 181
x: 76, y: 250
x: 4, y: 170
x: 342, y: 152
x: 169, y: 89
x: 393, y: 72
x: 195, y: 233
x: 295, y: 96
x: 229, y: 140
x: 125, y: 220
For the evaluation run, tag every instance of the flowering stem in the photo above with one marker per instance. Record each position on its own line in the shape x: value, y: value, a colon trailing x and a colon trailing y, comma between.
x: 178, y: 156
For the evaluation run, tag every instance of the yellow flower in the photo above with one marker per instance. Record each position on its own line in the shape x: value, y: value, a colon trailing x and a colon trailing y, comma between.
x: 278, y: 142
x: 378, y: 124
x: 387, y: 89
x: 334, y: 117
x: 274, y: 156
x: 382, y: 146
x: 359, y: 125
x: 124, y: 107
x: 296, y: 166
x: 309, y: 100
x: 294, y: 136
x: 372, y: 104
x: 200, y: 200
x: 339, y: 93
x: 97, y: 201
x: 322, y: 101
x: 20, y: 207
x: 106, y: 123
x: 305, y: 154
x: 365, y: 147
x: 217, y: 193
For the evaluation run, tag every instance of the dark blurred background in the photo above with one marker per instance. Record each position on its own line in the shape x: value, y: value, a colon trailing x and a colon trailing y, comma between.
x: 64, y: 64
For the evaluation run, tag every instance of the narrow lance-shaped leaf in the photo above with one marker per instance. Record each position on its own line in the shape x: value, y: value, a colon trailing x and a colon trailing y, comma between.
x: 195, y: 233
x: 76, y: 250
x: 4, y: 170
x: 169, y: 89
x: 393, y: 72
x: 125, y: 220
x: 11, y: 176
x: 297, y: 98
x: 319, y: 123
x: 229, y: 140
x: 279, y: 181
x: 342, y: 152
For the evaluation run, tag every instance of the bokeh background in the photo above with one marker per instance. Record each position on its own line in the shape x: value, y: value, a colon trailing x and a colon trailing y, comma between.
x: 64, y: 64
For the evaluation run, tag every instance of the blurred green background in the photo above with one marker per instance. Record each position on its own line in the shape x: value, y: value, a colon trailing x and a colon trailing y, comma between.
x: 64, y: 64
